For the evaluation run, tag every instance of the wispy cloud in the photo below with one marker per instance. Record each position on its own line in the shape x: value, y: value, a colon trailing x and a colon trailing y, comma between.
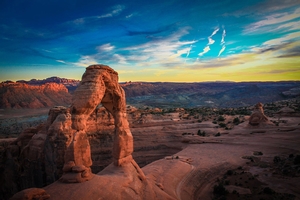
x: 210, y: 42
x: 105, y: 47
x: 61, y: 61
x: 215, y: 31
x: 221, y: 51
x: 285, y: 39
x: 223, y: 37
x: 274, y: 20
x: 279, y: 71
x: 163, y: 51
x: 289, y: 26
x: 188, y: 52
x: 120, y: 59
x: 130, y: 15
x: 153, y: 31
x: 281, y: 58
x: 264, y: 7
x: 85, y: 61
x: 116, y: 10
x: 205, y: 50
x: 222, y: 42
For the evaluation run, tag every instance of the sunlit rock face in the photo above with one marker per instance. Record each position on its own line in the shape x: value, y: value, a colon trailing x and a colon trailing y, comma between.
x: 21, y: 95
x: 36, y: 157
x: 258, y: 117
x: 99, y: 84
x: 60, y: 146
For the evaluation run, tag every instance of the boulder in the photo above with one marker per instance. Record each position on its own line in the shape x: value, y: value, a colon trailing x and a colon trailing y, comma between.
x: 258, y: 117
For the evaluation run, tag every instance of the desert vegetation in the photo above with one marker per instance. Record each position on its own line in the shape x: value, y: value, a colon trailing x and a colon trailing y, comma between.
x: 162, y: 132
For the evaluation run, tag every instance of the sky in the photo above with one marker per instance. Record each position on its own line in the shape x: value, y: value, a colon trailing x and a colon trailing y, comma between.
x: 165, y: 41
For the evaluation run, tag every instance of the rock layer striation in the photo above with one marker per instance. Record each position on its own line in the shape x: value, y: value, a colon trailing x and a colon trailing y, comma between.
x: 99, y: 84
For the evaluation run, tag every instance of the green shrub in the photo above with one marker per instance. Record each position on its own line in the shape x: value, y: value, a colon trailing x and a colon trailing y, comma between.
x: 276, y: 159
x: 236, y: 121
x: 222, y: 125
x: 221, y: 118
x: 201, y: 133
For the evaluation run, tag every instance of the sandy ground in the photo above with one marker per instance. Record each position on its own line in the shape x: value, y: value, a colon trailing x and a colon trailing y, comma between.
x: 203, y: 163
x: 214, y: 156
x: 13, y: 113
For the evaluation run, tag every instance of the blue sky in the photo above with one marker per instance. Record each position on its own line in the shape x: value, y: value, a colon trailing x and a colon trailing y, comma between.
x: 174, y: 40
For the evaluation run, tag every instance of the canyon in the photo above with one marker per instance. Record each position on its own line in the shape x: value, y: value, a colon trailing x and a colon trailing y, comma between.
x: 156, y: 94
x: 178, y: 153
x: 174, y: 152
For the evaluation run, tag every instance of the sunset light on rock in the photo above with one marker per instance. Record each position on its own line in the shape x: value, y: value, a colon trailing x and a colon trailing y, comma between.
x: 149, y: 100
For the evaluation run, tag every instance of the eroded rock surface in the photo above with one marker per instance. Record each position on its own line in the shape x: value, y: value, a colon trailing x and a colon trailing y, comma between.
x: 258, y: 117
x: 31, y: 194
x: 21, y: 95
x: 61, y: 146
x: 99, y: 84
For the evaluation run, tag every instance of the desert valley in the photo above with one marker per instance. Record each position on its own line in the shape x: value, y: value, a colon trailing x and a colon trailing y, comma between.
x: 194, y: 100
x: 212, y: 140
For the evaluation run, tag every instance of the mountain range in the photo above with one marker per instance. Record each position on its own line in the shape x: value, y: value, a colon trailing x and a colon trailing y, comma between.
x: 57, y: 91
x: 71, y: 84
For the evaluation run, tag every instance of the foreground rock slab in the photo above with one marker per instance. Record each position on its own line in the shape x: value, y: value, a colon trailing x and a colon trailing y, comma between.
x: 114, y: 182
x: 31, y: 194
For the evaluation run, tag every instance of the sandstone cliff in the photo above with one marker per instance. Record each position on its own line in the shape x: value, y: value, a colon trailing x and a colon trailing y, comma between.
x: 71, y: 84
x: 21, y: 95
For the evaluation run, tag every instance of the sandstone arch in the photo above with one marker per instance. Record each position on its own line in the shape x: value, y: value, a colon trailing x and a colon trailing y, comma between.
x: 99, y: 84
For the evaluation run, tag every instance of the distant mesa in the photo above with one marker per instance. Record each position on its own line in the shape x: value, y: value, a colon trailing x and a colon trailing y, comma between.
x: 70, y: 84
x: 21, y: 95
x: 171, y: 94
x: 293, y: 92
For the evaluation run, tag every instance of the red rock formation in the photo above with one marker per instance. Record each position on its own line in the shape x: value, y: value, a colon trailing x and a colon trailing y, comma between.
x: 61, y: 146
x: 71, y: 84
x: 21, y: 95
x: 31, y: 194
x: 258, y: 117
x: 99, y: 84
